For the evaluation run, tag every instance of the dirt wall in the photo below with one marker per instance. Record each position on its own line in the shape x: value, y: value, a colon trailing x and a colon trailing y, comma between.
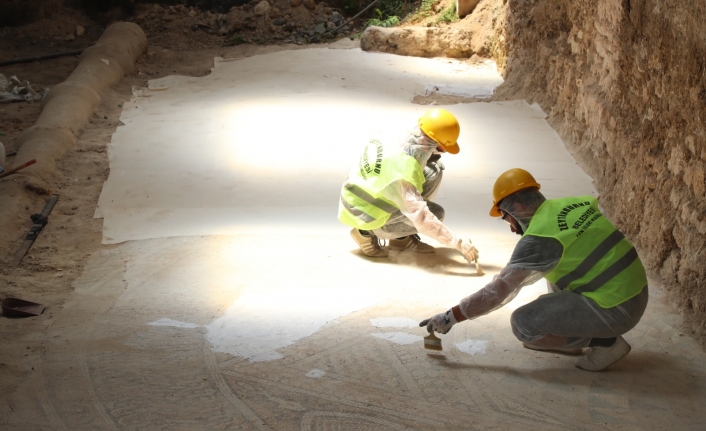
x: 624, y: 83
x: 18, y: 12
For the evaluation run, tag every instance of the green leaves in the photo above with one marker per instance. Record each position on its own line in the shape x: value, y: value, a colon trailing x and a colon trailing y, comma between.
x: 448, y: 15
x: 236, y: 39
x: 390, y: 21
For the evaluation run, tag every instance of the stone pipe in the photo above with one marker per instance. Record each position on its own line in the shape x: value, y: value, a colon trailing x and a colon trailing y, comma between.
x: 69, y: 105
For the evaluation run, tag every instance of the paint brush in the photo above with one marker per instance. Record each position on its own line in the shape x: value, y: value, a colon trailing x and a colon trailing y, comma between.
x: 479, y: 270
x: 432, y: 342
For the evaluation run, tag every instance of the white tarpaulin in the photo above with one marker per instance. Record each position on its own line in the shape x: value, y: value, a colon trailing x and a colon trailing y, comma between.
x: 264, y: 143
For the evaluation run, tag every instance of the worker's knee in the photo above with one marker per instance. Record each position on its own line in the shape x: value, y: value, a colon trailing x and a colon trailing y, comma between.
x: 523, y: 325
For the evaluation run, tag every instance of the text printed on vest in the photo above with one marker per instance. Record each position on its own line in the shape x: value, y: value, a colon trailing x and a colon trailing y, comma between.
x: 364, y: 164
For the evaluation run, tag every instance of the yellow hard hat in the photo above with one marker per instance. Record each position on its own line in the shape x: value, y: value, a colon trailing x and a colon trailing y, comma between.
x: 508, y: 183
x: 442, y: 127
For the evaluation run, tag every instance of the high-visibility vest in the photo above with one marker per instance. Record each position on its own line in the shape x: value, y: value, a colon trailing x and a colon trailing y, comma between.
x: 597, y: 260
x: 361, y: 205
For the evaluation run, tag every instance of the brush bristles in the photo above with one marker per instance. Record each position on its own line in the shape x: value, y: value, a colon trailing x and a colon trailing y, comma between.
x: 433, y: 346
x: 432, y: 342
x: 479, y: 270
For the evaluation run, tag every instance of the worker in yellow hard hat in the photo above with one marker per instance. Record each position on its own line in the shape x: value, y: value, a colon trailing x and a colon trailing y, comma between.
x: 597, y: 284
x: 389, y: 192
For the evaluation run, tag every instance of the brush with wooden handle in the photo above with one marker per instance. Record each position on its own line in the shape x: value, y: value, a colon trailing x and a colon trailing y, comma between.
x: 479, y: 270
x: 432, y: 342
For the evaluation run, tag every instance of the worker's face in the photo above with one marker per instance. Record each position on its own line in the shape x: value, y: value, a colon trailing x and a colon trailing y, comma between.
x: 439, y: 149
x: 514, y: 224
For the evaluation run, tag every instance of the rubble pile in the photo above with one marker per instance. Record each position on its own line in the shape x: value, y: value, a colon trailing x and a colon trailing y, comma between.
x: 259, y: 22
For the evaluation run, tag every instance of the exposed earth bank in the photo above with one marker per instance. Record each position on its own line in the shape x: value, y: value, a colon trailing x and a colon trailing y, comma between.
x: 624, y: 84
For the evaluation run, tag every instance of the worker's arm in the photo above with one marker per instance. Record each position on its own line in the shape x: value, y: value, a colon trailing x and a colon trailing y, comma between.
x: 415, y: 208
x: 532, y: 259
x: 504, y: 287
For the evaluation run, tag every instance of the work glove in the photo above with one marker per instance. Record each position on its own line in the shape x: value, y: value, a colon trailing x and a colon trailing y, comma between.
x: 440, y: 323
x: 468, y: 250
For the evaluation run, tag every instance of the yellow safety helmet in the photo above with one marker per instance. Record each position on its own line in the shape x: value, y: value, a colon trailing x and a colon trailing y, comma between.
x: 442, y: 127
x: 508, y: 183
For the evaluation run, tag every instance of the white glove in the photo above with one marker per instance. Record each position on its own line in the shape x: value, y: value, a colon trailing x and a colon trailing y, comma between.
x: 468, y: 250
x: 440, y: 323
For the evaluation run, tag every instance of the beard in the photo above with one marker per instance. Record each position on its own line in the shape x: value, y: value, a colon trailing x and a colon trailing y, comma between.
x: 519, y: 230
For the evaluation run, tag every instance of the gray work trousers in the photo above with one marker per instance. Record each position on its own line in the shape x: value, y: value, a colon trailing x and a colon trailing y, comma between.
x: 398, y: 225
x: 568, y: 314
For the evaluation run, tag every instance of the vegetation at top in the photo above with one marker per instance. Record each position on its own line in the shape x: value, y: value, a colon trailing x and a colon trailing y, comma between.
x: 390, y: 13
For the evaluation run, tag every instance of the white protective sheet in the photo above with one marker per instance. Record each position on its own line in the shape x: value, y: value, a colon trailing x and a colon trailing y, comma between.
x: 262, y: 144
x: 265, y: 142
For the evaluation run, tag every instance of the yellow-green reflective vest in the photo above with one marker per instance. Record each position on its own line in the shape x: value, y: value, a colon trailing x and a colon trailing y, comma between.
x: 597, y: 260
x: 361, y: 205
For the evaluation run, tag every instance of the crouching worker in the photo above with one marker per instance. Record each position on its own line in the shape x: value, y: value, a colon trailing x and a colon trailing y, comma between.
x: 597, y: 284
x: 389, y: 193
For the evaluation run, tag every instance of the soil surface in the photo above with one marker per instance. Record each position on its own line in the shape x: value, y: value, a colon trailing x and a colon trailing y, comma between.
x: 46, y: 273
x: 182, y: 41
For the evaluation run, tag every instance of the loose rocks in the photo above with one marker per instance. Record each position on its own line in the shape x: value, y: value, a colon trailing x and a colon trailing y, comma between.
x: 418, y: 41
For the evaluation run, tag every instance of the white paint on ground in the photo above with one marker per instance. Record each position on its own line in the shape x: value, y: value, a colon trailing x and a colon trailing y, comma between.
x: 394, y: 322
x: 175, y: 323
x: 316, y: 373
x: 260, y: 323
x: 398, y: 337
x: 473, y: 347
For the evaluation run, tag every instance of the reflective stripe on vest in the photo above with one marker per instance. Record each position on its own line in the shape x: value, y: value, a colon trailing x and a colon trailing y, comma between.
x: 362, y: 194
x: 361, y: 205
x: 592, y: 259
x: 597, y: 260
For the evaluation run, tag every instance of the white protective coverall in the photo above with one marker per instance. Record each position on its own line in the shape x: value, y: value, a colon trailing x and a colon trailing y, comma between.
x: 414, y: 206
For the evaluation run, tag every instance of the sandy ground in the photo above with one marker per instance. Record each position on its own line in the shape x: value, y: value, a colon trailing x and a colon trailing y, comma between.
x: 72, y: 235
x: 131, y: 336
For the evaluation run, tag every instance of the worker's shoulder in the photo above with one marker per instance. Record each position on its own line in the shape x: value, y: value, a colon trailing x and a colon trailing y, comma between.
x: 578, y: 198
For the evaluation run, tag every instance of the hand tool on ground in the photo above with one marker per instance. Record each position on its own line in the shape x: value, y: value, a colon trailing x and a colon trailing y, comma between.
x: 15, y: 169
x: 39, y: 220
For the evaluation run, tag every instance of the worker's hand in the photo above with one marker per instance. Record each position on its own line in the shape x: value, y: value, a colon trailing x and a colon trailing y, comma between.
x: 440, y: 323
x: 468, y: 251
